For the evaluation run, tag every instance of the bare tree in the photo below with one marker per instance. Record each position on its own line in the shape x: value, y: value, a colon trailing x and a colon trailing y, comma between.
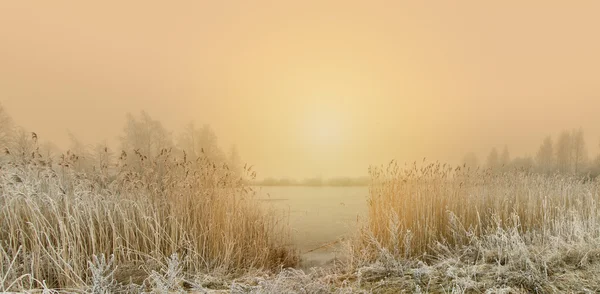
x: 505, y: 158
x: 200, y: 142
x: 563, y: 153
x: 492, y: 159
x: 545, y: 156
x: 188, y: 140
x: 579, y: 152
x: 145, y: 135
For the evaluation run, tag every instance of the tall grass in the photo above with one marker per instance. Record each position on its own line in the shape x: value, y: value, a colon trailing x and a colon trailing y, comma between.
x: 413, y: 209
x: 55, y: 220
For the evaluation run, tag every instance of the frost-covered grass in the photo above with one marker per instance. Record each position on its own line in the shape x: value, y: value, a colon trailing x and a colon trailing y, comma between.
x: 172, y: 226
x: 502, y: 261
x: 153, y: 223
x: 413, y: 208
x: 442, y: 229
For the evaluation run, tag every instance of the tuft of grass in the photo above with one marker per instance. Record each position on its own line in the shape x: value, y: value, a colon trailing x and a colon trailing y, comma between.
x: 102, y: 274
x: 56, y: 220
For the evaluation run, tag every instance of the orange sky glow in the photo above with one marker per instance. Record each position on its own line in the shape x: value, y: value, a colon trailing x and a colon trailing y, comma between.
x: 307, y: 88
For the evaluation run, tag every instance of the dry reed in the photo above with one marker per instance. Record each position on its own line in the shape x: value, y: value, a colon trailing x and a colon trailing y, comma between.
x: 414, y: 209
x: 54, y: 220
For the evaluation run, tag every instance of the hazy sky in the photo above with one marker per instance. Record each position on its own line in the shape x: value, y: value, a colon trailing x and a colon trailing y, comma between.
x: 310, y: 88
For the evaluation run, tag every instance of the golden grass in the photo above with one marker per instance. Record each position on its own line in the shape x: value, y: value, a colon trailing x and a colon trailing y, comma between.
x: 413, y: 209
x: 53, y: 220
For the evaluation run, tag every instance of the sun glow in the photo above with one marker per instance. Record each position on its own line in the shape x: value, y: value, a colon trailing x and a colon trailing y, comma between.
x: 325, y: 129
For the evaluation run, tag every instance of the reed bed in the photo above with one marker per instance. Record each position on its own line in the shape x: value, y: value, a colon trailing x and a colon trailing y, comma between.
x: 169, y: 224
x: 413, y: 209
x: 58, y: 224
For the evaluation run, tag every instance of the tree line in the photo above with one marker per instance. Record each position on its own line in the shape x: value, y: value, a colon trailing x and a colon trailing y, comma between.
x: 315, y: 182
x: 567, y: 154
x: 142, y: 137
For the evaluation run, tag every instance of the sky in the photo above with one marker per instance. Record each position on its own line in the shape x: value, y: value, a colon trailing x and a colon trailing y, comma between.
x: 309, y: 88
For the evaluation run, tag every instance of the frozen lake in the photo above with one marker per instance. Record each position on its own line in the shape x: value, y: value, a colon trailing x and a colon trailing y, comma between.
x: 317, y: 215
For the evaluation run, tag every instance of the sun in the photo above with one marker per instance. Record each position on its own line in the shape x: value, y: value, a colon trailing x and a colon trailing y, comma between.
x: 324, y: 129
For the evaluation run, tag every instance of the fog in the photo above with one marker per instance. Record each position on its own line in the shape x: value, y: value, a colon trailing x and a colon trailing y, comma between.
x: 312, y: 88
